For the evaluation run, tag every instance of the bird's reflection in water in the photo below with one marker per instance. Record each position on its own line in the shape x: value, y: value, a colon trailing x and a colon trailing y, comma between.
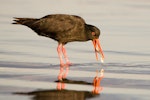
x: 96, y: 82
x: 63, y: 72
x: 60, y: 93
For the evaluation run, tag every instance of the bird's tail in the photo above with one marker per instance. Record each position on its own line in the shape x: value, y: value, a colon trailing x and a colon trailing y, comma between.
x: 24, y: 21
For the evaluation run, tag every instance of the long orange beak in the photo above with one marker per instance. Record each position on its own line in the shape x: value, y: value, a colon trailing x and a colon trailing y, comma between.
x: 98, y: 49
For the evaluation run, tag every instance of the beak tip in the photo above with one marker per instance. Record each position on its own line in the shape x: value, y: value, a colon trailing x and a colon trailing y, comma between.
x: 102, y: 60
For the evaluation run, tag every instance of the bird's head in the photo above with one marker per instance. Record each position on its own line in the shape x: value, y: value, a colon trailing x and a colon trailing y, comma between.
x: 94, y: 36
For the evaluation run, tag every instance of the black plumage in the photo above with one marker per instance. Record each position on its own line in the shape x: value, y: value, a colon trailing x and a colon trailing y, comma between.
x: 61, y: 27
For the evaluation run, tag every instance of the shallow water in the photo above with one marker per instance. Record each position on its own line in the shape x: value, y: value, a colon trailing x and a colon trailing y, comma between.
x: 30, y: 63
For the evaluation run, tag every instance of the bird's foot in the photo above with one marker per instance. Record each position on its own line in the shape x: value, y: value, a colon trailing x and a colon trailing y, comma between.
x: 66, y: 65
x: 62, y: 65
x: 69, y: 63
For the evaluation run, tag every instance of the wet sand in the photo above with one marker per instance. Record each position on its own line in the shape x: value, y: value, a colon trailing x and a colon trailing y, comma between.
x: 29, y: 64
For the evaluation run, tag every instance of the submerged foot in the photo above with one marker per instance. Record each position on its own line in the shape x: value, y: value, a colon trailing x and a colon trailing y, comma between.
x: 69, y: 63
x: 66, y: 65
x: 62, y: 65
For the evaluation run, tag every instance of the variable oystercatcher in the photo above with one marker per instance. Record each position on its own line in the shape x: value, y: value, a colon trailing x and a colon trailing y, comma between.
x: 64, y: 28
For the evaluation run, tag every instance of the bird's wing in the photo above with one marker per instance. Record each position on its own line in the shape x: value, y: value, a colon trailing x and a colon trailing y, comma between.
x: 56, y: 24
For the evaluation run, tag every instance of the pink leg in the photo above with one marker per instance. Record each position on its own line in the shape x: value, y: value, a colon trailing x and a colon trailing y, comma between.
x: 65, y: 56
x: 59, y: 49
x: 66, y: 72
x: 63, y: 86
x: 58, y: 86
x: 63, y: 74
x: 68, y: 63
x: 60, y: 73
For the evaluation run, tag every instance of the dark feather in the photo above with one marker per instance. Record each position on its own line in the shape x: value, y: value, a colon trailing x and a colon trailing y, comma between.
x: 60, y: 27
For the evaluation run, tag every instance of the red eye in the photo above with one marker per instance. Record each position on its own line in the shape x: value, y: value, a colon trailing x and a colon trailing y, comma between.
x: 93, y: 33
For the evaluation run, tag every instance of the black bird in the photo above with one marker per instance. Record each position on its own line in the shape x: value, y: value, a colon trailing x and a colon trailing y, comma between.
x: 64, y: 28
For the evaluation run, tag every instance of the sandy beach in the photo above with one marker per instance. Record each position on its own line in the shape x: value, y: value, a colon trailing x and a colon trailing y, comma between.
x: 29, y: 64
